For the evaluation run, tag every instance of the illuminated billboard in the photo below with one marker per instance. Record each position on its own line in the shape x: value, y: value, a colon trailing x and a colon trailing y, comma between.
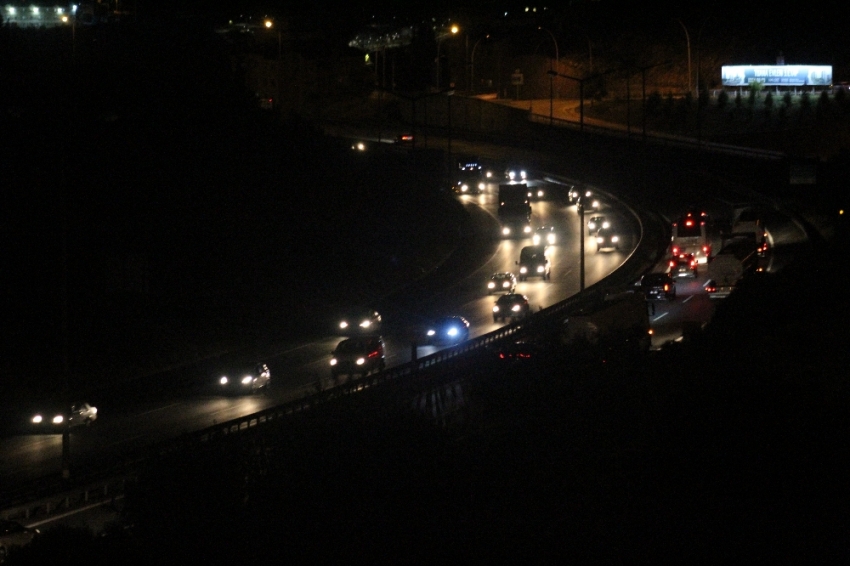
x: 777, y: 75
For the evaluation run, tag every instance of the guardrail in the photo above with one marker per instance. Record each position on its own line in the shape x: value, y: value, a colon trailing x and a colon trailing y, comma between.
x: 34, y: 501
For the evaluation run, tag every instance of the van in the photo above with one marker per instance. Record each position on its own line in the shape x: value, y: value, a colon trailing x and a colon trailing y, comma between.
x: 533, y: 262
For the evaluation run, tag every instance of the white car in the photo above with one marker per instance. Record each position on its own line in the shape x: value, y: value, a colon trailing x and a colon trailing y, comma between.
x: 78, y: 413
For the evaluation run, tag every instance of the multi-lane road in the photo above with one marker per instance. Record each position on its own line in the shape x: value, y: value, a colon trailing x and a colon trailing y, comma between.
x: 125, y: 425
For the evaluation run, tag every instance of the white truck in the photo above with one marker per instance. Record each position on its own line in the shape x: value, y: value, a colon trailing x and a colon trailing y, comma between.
x: 747, y: 220
x: 738, y: 258
x: 617, y: 322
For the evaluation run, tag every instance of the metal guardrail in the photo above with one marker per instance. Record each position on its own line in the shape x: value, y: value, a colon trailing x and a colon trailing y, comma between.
x: 48, y: 494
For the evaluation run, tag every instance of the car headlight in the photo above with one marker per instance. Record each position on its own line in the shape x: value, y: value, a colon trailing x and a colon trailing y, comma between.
x: 606, y: 224
x: 491, y: 285
x: 506, y: 231
x: 595, y: 204
x: 511, y: 175
x: 58, y: 419
x: 506, y: 284
x: 539, y: 269
x: 431, y: 333
x: 361, y: 361
x: 539, y: 194
x: 615, y: 239
x: 536, y: 239
x: 523, y: 269
x: 247, y: 380
x: 343, y: 325
x: 551, y: 238
x: 515, y: 308
x: 591, y: 225
x: 496, y: 308
x: 599, y: 239
x: 482, y: 186
x: 452, y: 331
x: 223, y: 380
x: 527, y: 229
x: 37, y: 419
x: 333, y: 361
x: 464, y: 187
x: 366, y: 324
x: 522, y: 174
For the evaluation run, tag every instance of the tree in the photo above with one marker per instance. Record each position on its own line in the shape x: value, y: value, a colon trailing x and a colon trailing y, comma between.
x: 722, y: 100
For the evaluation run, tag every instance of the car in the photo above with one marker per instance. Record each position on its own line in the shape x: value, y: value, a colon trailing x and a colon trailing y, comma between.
x: 511, y: 306
x: 536, y: 192
x: 359, y: 146
x: 519, y: 352
x: 588, y: 201
x: 546, y: 235
x: 14, y: 535
x: 448, y: 330
x: 74, y: 414
x: 576, y: 195
x: 404, y: 138
x: 534, y: 262
x: 594, y: 223
x: 504, y: 282
x: 359, y: 355
x: 516, y: 174
x: 468, y: 187
x: 684, y: 265
x: 656, y: 286
x: 573, y: 194
x: 607, y: 239
x: 253, y: 378
x: 360, y: 321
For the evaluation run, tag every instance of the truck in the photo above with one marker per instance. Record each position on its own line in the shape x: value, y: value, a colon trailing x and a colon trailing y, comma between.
x: 618, y: 321
x: 689, y: 237
x: 738, y: 258
x: 514, y: 210
x: 747, y: 220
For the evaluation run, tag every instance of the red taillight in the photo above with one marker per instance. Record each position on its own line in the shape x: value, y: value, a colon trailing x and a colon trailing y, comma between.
x: 666, y: 287
x: 711, y: 289
x: 672, y: 263
x: 374, y: 354
x: 675, y: 250
x: 689, y: 222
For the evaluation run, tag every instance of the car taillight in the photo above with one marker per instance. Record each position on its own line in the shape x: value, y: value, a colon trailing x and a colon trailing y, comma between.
x: 675, y: 250
x: 666, y: 287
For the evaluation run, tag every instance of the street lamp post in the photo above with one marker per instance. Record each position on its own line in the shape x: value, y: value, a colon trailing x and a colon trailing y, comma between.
x: 580, y: 210
x: 453, y: 31
x: 472, y: 64
x: 688, y: 39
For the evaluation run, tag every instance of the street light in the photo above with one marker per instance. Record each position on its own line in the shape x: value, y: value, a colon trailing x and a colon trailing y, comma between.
x: 472, y: 64
x: 269, y: 24
x: 688, y: 38
x: 452, y: 31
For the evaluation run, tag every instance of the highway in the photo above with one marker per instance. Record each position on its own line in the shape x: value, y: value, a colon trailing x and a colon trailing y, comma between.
x: 125, y: 425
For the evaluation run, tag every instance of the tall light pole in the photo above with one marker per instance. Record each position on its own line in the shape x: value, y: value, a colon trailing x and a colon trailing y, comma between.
x: 452, y: 31
x: 472, y: 64
x: 688, y: 39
